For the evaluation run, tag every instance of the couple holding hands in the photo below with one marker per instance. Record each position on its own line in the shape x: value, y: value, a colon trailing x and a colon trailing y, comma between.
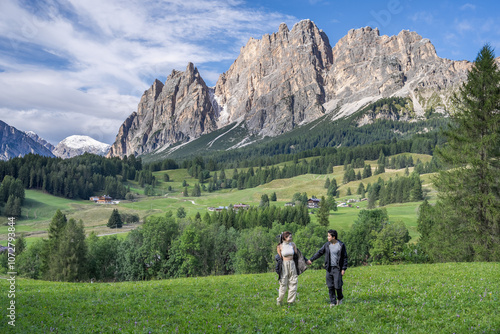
x: 291, y: 263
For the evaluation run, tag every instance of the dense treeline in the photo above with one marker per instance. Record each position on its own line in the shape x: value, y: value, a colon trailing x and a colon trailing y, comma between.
x: 79, y: 177
x: 11, y: 196
x: 400, y: 190
x: 213, y: 245
x: 263, y: 216
x: 422, y: 144
x: 326, y: 159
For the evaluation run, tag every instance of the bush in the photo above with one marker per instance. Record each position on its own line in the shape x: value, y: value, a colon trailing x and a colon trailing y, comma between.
x: 389, y: 243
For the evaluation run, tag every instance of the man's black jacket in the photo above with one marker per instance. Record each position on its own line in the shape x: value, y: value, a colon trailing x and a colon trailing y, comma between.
x: 326, y: 251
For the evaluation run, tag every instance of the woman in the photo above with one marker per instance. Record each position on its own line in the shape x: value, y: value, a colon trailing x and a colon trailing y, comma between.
x: 290, y: 264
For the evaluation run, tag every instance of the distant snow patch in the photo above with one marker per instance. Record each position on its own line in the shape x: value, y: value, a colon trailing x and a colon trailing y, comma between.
x: 350, y: 108
x: 213, y: 141
x: 245, y: 142
x: 173, y: 149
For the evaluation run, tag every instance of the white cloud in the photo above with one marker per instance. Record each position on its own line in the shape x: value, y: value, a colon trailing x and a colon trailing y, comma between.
x: 468, y: 6
x: 70, y: 67
x: 424, y: 17
x: 464, y: 26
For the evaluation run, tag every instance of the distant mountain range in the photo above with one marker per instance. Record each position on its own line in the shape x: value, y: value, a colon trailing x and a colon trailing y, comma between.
x: 286, y: 80
x: 16, y: 143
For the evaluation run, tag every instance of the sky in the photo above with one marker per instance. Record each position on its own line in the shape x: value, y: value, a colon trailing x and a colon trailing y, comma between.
x: 79, y: 67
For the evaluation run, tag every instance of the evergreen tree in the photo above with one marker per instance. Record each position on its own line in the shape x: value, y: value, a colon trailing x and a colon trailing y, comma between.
x: 181, y: 212
x: 5, y: 187
x: 333, y: 188
x: 324, y: 212
x: 361, y: 189
x: 215, y: 180
x: 13, y: 207
x: 332, y: 204
x: 470, y: 189
x: 70, y: 262
x: 416, y: 193
x: 349, y: 175
x: 56, y: 228
x: 199, y: 175
x: 381, y: 158
x: 380, y: 169
x: 49, y: 263
x: 264, y: 201
x: 372, y: 197
x: 273, y: 197
x: 115, y: 220
x: 327, y: 183
x: 196, y: 190
x: 20, y: 244
x: 367, y: 171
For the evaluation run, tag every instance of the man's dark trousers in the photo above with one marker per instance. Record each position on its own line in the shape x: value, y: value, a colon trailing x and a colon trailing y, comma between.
x: 334, y: 283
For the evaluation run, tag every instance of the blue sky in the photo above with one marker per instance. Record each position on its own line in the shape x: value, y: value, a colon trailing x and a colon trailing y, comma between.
x: 80, y: 66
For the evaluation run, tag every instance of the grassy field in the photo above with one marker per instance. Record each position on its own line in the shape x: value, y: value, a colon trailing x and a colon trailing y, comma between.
x: 41, y: 207
x: 436, y: 298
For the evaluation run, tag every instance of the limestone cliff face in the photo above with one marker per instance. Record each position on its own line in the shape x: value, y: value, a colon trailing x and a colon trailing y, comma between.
x: 368, y: 66
x: 277, y: 82
x: 290, y: 78
x: 168, y: 113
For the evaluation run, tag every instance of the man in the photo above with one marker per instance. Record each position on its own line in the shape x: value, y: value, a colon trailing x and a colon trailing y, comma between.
x: 335, y: 265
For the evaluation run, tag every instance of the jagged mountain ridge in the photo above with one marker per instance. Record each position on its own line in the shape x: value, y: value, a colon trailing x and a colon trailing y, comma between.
x: 179, y: 110
x: 77, y: 145
x: 290, y: 78
x: 16, y: 143
x: 40, y: 140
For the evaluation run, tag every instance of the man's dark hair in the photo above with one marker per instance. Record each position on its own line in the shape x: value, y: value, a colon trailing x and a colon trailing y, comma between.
x: 333, y: 233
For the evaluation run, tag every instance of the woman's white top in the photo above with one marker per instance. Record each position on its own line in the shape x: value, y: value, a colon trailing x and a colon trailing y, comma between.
x: 287, y: 249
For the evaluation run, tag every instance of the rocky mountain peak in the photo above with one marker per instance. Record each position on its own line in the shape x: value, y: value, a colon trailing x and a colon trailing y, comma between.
x: 77, y: 145
x: 16, y: 143
x: 369, y: 66
x: 40, y: 140
x: 289, y: 78
x: 156, y: 88
x: 283, y: 29
x: 266, y: 84
x: 178, y: 110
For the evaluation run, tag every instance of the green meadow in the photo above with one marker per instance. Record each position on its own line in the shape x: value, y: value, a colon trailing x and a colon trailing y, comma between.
x: 431, y: 298
x: 40, y: 207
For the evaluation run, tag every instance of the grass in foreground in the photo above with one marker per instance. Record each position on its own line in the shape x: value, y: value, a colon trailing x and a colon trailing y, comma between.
x: 437, y: 298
